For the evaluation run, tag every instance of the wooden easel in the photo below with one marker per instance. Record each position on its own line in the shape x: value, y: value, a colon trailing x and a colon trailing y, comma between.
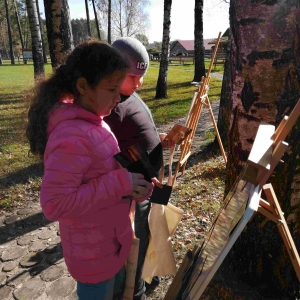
x: 272, y: 211
x: 199, y: 101
x: 267, y: 150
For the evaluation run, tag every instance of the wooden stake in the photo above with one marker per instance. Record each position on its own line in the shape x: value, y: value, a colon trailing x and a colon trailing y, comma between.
x: 217, y: 131
x: 285, y: 128
x: 214, y: 55
x: 176, y: 283
x: 276, y: 215
x: 170, y: 179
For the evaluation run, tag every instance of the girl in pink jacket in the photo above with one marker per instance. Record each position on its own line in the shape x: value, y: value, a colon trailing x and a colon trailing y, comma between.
x: 84, y: 187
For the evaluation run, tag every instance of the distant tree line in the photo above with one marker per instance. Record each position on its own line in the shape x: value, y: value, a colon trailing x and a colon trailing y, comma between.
x: 133, y: 21
x: 56, y: 35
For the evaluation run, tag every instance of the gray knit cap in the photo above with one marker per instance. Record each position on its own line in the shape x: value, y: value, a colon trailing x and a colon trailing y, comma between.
x: 136, y: 54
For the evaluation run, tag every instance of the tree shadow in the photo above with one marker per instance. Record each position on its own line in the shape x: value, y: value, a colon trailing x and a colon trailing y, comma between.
x: 175, y: 85
x: 6, y: 100
x: 37, y: 261
x: 22, y: 176
x: 205, y: 153
x: 20, y: 226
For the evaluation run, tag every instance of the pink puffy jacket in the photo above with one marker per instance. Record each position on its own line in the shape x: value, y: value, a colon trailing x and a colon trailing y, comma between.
x: 82, y: 188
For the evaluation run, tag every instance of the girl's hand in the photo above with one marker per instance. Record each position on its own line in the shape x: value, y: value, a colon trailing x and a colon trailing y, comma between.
x: 156, y: 182
x: 140, y: 186
x: 166, y: 143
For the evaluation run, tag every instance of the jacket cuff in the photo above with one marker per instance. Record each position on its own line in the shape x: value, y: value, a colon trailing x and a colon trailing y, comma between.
x: 125, y: 179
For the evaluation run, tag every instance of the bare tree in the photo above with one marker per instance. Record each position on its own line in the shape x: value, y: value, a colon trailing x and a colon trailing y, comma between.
x: 265, y: 86
x: 198, y: 42
x: 96, y: 20
x: 109, y: 22
x: 19, y: 25
x: 37, y: 49
x: 40, y: 24
x: 88, y: 23
x: 128, y: 17
x: 161, y: 87
x: 58, y: 30
x: 12, y: 58
x: 26, y: 30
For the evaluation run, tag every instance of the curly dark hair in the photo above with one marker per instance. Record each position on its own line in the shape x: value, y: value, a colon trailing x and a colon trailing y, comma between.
x: 92, y: 60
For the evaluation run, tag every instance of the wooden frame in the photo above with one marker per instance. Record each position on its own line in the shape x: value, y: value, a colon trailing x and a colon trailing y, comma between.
x: 199, y: 101
x: 221, y: 241
x: 241, y: 203
x: 200, y: 265
x: 272, y: 211
x: 268, y: 148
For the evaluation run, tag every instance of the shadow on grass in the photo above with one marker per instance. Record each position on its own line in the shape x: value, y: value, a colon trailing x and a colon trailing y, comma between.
x: 208, y: 151
x: 9, y: 100
x: 169, y: 103
x: 22, y: 176
x: 170, y: 86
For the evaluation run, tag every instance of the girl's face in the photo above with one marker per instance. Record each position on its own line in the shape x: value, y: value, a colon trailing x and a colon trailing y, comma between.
x: 104, y: 96
x: 131, y: 84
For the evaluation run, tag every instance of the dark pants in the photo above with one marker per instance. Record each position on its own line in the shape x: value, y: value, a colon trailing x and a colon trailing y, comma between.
x: 111, y: 289
x: 142, y: 232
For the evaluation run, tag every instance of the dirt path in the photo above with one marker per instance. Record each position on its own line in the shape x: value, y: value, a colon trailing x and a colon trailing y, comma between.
x: 205, y: 124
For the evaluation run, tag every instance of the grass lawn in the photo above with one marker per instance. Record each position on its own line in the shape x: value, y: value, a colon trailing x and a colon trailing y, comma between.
x: 20, y: 173
x: 180, y: 91
x: 199, y: 193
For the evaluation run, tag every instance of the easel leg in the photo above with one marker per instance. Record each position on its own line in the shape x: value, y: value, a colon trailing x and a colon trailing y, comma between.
x: 194, y: 126
x: 282, y: 227
x: 216, y: 130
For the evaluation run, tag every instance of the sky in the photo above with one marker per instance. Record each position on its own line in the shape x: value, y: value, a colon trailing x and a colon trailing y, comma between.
x: 215, y: 18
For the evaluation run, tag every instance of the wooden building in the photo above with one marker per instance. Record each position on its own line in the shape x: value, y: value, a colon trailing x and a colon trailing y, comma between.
x: 221, y: 52
x: 186, y: 47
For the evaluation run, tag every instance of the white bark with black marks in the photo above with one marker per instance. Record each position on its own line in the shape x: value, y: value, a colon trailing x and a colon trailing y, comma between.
x: 37, y: 47
x: 161, y: 87
x: 59, y: 30
x: 265, y: 86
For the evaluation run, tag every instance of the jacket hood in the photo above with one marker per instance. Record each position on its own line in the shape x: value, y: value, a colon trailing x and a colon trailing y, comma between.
x: 65, y: 111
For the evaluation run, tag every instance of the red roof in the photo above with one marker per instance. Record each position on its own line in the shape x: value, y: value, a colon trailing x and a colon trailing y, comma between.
x: 189, y: 44
x: 206, y: 44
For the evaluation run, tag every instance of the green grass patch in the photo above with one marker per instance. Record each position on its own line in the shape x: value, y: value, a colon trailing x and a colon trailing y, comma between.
x: 20, y: 173
x: 180, y: 91
x: 17, y: 167
x: 210, y: 135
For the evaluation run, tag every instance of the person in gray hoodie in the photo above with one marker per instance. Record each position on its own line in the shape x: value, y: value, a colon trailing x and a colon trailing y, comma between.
x: 132, y: 123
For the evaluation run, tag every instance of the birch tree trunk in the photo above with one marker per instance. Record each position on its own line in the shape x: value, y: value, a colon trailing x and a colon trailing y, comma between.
x: 225, y: 102
x: 109, y: 22
x: 40, y: 24
x: 161, y: 87
x: 36, y: 38
x: 12, y: 58
x: 96, y: 20
x: 199, y: 47
x: 19, y: 25
x: 25, y: 30
x: 265, y: 86
x: 59, y: 30
x: 88, y: 23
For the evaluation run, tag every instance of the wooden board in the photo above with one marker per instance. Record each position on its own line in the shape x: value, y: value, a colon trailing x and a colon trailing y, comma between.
x: 242, y: 204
